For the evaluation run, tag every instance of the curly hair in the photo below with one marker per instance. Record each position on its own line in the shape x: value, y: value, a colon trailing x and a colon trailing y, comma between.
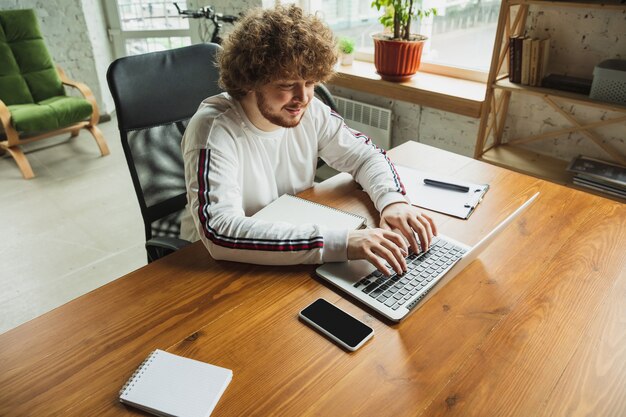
x: 280, y: 43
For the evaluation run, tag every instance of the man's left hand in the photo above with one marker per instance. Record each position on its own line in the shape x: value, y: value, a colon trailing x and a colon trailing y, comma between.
x: 408, y: 220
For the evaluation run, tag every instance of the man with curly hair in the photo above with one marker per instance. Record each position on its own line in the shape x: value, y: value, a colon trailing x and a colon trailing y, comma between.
x: 262, y: 138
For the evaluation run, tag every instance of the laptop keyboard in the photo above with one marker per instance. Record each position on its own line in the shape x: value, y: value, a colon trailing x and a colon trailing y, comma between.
x: 422, y: 269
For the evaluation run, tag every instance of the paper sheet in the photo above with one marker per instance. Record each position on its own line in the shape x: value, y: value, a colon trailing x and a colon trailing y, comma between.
x: 455, y: 203
x: 171, y: 385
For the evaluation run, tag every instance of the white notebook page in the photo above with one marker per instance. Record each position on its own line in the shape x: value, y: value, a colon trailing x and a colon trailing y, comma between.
x: 171, y: 385
x: 295, y: 210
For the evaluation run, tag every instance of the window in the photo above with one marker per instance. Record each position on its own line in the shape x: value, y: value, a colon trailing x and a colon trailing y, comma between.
x: 136, y: 46
x: 460, y: 36
x: 140, y: 26
x: 150, y: 15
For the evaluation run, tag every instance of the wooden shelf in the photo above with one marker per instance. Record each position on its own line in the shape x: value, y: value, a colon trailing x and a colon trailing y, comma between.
x: 537, y: 165
x: 500, y: 90
x: 607, y: 4
x: 505, y: 84
x: 530, y: 163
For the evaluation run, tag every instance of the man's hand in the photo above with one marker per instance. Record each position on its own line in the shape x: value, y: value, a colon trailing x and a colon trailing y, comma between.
x: 408, y: 220
x: 378, y: 246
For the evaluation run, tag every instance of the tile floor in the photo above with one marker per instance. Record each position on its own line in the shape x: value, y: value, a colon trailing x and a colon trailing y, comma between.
x: 74, y: 227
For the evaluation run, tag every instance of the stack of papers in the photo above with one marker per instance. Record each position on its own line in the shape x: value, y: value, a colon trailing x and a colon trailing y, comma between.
x: 602, y: 176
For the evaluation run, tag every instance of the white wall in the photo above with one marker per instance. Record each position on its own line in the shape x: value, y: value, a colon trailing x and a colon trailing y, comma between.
x: 434, y: 127
x: 102, y: 50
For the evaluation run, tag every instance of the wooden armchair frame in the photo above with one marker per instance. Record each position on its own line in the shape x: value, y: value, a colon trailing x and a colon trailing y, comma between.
x: 13, y: 141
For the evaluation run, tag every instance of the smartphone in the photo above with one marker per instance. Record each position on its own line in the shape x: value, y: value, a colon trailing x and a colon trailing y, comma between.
x: 338, y: 325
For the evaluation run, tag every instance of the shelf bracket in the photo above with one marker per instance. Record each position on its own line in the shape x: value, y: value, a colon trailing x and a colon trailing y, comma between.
x: 592, y: 136
x: 566, y: 130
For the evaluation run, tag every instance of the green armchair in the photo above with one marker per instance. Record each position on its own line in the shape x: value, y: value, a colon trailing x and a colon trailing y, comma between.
x: 33, y: 102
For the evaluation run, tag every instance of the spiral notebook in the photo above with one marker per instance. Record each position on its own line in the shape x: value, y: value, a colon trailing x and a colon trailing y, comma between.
x: 296, y: 210
x: 170, y: 385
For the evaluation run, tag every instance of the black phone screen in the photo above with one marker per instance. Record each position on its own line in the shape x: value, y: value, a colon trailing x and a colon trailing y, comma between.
x: 337, y: 322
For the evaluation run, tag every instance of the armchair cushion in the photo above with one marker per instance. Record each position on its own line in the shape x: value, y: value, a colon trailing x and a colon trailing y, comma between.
x: 23, y: 54
x: 44, y: 84
x: 12, y: 84
x: 14, y: 89
x: 19, y: 24
x: 49, y: 114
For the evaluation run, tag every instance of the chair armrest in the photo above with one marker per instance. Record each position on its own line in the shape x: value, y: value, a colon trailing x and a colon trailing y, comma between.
x: 158, y: 247
x: 5, y: 118
x: 85, y: 91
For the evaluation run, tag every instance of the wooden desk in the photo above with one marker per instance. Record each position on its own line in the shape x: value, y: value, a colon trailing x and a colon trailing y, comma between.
x: 535, y: 327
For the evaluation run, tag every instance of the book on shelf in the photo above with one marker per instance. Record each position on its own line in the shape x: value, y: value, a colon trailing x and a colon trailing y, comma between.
x: 567, y: 83
x: 534, y: 61
x: 526, y: 61
x: 599, y: 175
x: 515, y: 58
x: 599, y: 181
x: 596, y: 169
x: 544, y: 55
x: 512, y: 59
x: 594, y: 185
x: 519, y: 44
x: 533, y: 57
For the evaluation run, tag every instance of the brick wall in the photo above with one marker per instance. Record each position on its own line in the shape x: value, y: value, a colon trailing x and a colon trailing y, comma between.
x: 434, y: 127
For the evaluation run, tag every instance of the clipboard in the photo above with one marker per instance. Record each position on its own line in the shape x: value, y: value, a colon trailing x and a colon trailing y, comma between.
x: 450, y: 202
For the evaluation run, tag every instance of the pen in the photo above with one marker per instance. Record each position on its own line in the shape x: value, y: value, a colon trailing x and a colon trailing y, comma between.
x: 447, y: 185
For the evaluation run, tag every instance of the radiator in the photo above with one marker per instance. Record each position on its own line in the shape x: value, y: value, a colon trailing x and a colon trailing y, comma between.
x: 373, y: 121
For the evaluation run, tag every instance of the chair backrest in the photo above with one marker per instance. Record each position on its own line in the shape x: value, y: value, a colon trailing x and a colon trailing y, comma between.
x: 27, y: 72
x: 155, y: 95
x: 325, y: 96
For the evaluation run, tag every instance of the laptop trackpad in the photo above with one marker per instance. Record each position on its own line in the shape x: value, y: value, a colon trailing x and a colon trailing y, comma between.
x: 350, y: 271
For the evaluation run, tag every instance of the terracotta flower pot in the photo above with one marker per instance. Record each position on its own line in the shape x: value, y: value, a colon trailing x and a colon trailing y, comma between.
x: 396, y: 60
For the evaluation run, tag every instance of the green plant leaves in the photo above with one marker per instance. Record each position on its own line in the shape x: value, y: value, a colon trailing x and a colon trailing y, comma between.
x: 398, y: 15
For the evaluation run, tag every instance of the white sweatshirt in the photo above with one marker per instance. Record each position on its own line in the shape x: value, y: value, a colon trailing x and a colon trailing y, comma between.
x: 233, y: 169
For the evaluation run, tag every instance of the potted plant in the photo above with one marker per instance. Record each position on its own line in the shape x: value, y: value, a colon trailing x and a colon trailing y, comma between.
x: 346, y: 49
x: 397, y: 51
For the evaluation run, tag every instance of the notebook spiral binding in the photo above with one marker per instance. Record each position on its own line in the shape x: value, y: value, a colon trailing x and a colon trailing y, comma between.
x: 331, y: 208
x: 138, y: 372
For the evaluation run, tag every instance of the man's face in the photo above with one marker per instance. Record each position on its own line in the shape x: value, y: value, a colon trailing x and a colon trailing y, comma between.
x: 284, y: 102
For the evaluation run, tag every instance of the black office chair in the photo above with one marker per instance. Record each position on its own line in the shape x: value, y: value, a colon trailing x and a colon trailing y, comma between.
x: 155, y: 95
x: 325, y: 96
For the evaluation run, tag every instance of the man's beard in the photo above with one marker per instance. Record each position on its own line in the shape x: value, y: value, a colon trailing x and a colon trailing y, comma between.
x: 276, y: 118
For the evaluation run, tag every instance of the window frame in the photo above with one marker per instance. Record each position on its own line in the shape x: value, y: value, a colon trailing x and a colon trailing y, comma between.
x: 425, y: 66
x: 118, y: 35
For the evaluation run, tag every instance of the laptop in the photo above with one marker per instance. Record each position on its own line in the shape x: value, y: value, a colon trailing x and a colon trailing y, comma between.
x: 397, y: 296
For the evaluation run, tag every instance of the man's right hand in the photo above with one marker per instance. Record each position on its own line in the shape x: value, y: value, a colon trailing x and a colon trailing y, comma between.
x: 378, y: 246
